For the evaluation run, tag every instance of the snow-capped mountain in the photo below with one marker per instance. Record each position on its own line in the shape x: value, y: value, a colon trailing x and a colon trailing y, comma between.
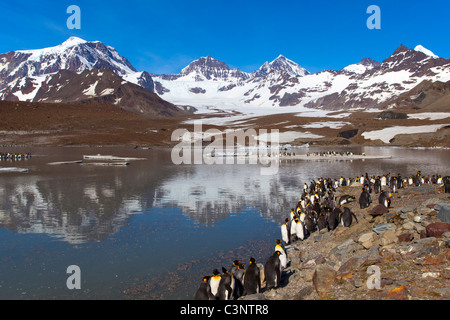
x: 399, y: 73
x: 210, y: 82
x: 207, y: 81
x: 281, y: 65
x: 208, y: 68
x: 361, y: 67
x: 424, y: 50
x: 282, y: 82
x: 29, y: 68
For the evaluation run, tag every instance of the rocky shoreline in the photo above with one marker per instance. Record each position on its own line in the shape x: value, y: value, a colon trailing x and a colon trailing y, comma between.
x: 402, y: 253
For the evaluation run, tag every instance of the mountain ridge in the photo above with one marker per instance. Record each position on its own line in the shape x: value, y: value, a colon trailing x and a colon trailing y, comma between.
x: 208, y: 81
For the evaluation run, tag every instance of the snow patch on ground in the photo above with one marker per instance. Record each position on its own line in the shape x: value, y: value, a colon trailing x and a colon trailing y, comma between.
x: 429, y: 115
x: 328, y: 124
x: 387, y: 134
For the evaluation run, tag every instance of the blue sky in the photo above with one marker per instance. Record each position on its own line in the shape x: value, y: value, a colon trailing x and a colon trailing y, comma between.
x: 164, y: 36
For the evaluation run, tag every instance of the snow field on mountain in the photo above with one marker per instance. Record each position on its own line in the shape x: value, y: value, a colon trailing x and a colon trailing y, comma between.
x: 37, y: 83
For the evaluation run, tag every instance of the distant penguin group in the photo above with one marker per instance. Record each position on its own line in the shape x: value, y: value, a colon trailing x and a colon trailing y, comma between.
x: 13, y: 156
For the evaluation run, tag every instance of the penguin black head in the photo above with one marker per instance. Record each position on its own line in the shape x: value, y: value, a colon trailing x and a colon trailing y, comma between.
x: 224, y: 270
x: 206, y: 278
x: 236, y: 262
x: 252, y: 260
x: 277, y: 253
x: 215, y: 272
x: 241, y: 266
x: 278, y: 241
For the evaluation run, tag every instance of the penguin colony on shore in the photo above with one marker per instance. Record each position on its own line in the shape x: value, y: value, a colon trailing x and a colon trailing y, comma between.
x: 318, y: 209
x: 332, y: 153
x: 14, y: 156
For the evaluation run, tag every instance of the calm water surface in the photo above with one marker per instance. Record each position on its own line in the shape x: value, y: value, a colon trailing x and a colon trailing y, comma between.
x: 153, y: 229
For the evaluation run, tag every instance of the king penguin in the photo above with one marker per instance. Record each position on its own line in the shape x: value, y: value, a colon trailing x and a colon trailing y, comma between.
x: 252, y: 278
x: 214, y: 282
x: 347, y: 217
x: 299, y: 229
x: 204, y: 291
x: 293, y: 230
x: 272, y: 271
x: 385, y: 199
x: 226, y: 285
x: 286, y: 232
x: 364, y: 199
x: 239, y: 277
x: 283, y: 255
x: 234, y: 266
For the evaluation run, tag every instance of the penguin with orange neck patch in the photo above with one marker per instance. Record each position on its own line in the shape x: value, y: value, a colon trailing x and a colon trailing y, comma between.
x: 286, y: 231
x: 385, y: 199
x: 252, y: 278
x: 283, y: 256
x: 272, y: 271
x: 204, y: 291
x: 214, y: 283
x: 226, y: 285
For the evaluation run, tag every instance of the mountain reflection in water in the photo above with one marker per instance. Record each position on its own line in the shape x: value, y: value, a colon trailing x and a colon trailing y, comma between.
x: 120, y: 213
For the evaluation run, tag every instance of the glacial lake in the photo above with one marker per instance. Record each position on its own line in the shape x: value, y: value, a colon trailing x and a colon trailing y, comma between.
x: 153, y: 229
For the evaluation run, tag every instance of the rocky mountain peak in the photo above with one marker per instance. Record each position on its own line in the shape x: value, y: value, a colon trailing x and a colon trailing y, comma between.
x: 72, y: 41
x: 369, y: 62
x: 204, y: 63
x: 281, y: 64
x: 74, y: 54
x: 418, y: 62
x: 208, y: 68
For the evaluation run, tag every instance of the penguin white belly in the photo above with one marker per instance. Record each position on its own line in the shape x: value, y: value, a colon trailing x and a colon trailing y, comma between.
x: 302, y: 217
x: 293, y: 228
x: 299, y: 231
x: 214, y: 284
x: 284, y: 233
x: 232, y: 284
x: 303, y: 204
x: 283, y: 260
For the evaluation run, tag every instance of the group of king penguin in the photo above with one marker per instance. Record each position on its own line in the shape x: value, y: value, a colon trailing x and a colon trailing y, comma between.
x: 240, y: 281
x: 318, y: 209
